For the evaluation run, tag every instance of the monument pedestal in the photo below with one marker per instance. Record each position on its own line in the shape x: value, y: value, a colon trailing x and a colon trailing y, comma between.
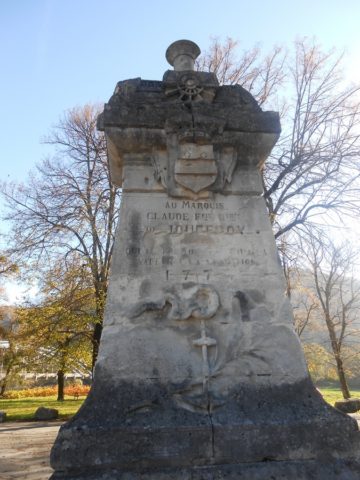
x: 286, y: 432
x: 335, y: 470
x: 200, y: 374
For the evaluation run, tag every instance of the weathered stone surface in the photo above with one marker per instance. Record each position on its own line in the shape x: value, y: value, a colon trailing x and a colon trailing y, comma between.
x: 2, y: 416
x: 148, y: 429
x: 266, y: 470
x: 351, y: 405
x: 44, y: 413
x: 182, y: 55
x: 199, y: 364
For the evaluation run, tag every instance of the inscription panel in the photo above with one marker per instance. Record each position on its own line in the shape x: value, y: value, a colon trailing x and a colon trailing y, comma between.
x: 186, y: 240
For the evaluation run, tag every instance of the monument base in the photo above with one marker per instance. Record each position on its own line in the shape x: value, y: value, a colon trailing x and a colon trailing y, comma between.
x: 297, y: 470
x: 260, y: 433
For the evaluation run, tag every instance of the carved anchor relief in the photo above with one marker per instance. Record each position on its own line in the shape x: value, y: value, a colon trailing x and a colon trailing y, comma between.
x: 205, y: 342
x: 245, y: 332
x: 188, y: 301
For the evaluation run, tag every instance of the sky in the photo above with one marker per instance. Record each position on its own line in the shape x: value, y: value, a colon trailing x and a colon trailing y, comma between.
x: 58, y: 54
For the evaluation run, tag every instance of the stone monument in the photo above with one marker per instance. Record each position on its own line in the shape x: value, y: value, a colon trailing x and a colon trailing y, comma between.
x: 200, y: 374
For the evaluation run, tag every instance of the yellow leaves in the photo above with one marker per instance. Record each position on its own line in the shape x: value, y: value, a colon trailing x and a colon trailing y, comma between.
x: 320, y: 362
x: 58, y: 330
x: 7, y: 267
x: 70, y: 390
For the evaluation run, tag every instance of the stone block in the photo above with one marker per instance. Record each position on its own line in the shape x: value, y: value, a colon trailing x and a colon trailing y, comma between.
x: 266, y: 470
x: 44, y: 413
x: 350, y: 405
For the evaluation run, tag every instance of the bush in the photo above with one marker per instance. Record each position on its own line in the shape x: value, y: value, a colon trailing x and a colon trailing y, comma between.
x: 77, y: 390
x: 31, y: 392
x: 71, y: 390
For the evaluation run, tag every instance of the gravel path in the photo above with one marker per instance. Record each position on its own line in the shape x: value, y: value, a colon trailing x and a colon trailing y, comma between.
x: 25, y: 449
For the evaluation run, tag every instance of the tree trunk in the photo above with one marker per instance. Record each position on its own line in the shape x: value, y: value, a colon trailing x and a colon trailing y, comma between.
x: 3, y: 386
x: 100, y: 294
x: 60, y: 381
x: 96, y: 342
x: 342, y: 378
x: 337, y: 354
x: 4, y: 380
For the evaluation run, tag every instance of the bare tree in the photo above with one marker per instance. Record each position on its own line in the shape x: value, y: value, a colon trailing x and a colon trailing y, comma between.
x: 260, y: 74
x: 338, y: 293
x: 305, y: 308
x: 69, y: 207
x: 304, y: 301
x: 314, y: 168
x: 7, y: 269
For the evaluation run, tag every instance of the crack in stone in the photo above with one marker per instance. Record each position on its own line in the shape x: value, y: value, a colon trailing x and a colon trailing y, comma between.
x: 209, y: 411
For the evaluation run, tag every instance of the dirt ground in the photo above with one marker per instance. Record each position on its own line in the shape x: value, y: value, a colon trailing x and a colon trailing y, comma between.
x: 25, y: 450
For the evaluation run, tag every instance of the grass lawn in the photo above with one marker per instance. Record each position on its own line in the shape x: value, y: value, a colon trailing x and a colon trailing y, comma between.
x: 331, y: 394
x: 23, y: 409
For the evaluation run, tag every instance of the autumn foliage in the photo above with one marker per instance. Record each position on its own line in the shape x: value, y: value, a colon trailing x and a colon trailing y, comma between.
x: 71, y: 391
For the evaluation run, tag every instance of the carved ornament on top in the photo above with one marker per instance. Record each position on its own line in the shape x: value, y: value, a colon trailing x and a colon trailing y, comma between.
x: 194, y: 130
